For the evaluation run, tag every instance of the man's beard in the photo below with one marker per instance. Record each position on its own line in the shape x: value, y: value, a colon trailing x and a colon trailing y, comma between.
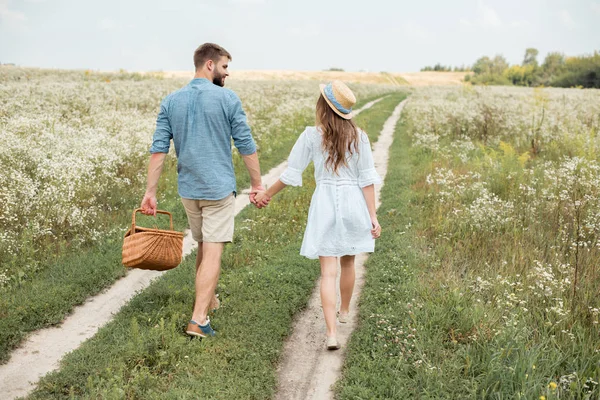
x: 219, y: 79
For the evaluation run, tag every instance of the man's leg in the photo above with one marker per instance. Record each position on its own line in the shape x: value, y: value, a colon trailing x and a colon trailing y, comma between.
x: 214, y: 302
x: 216, y: 230
x: 198, y: 257
x: 207, y: 276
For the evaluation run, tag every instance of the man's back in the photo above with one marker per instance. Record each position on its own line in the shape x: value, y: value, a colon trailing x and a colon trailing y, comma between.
x: 201, y: 118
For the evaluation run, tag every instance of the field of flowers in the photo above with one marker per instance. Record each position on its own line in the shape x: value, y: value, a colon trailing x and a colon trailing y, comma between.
x: 485, y: 282
x: 72, y: 164
x: 144, y: 353
x: 515, y: 186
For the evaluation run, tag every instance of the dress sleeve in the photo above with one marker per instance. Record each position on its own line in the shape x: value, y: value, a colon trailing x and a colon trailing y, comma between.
x: 299, y: 159
x: 367, y: 175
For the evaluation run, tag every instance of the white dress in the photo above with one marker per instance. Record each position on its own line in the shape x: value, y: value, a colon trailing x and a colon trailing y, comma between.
x: 338, y: 218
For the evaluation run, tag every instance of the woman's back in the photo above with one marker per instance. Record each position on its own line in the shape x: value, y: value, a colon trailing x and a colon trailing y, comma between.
x: 357, y: 172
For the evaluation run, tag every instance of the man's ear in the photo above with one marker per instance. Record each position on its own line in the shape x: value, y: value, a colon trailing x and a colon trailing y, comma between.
x: 210, y: 64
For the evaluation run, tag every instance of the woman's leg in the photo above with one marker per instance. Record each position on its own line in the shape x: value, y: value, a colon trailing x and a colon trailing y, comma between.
x: 346, y: 282
x: 328, y: 275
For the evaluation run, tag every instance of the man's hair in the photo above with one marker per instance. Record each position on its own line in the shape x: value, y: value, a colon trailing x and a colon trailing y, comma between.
x: 209, y: 51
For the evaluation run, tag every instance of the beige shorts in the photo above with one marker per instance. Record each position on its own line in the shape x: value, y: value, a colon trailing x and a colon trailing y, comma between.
x: 211, y: 220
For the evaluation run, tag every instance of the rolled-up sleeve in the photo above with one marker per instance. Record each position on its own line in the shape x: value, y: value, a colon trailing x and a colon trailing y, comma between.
x: 298, y: 161
x: 367, y: 175
x: 161, y: 141
x: 240, y: 131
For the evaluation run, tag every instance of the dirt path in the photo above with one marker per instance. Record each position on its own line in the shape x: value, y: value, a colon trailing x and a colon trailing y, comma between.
x: 307, y: 370
x: 42, y: 351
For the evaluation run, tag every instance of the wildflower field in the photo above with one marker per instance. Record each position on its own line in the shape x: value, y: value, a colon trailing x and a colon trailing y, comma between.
x: 485, y: 282
x: 144, y: 353
x: 76, y: 145
x: 73, y: 167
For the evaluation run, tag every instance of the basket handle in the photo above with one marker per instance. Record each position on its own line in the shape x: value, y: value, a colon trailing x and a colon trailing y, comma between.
x: 157, y: 211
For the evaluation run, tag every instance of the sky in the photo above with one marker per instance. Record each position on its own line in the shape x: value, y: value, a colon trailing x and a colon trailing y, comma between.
x: 367, y: 35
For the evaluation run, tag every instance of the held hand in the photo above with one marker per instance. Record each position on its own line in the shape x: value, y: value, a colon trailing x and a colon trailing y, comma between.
x: 376, y: 230
x: 262, y: 199
x: 253, y: 191
x: 148, y: 205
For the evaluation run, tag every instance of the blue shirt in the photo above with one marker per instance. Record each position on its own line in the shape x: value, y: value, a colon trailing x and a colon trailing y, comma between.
x: 202, y: 118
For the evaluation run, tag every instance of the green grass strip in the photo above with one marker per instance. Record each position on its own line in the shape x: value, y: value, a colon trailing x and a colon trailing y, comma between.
x: 373, y: 367
x: 362, y: 101
x: 418, y: 340
x: 144, y: 351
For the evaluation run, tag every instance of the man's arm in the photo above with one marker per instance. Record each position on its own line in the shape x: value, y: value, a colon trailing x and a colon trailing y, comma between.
x: 161, y: 141
x: 243, y: 141
x: 253, y: 167
x: 157, y: 160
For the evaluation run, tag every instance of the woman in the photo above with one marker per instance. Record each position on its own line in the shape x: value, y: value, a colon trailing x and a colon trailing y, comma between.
x: 342, y: 219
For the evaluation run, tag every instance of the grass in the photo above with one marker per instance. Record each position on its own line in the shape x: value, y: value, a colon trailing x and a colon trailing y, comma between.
x: 68, y: 279
x: 144, y: 352
x: 422, y: 333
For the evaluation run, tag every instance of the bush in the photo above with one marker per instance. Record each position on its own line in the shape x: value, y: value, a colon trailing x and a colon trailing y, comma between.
x: 490, y: 79
x: 580, y: 71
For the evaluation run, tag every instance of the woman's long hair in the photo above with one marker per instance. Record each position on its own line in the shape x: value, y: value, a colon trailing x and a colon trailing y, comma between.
x: 339, y: 135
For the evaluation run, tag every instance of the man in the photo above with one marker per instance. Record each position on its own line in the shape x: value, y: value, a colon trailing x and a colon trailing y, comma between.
x: 201, y: 118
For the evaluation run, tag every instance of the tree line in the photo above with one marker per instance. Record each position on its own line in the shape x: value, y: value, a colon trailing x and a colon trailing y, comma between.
x: 556, y: 70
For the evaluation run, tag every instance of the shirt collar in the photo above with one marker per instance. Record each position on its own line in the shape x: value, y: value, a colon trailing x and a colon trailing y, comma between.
x: 199, y: 81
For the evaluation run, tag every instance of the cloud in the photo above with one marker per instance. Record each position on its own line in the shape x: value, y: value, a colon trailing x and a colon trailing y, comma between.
x: 465, y: 22
x: 14, y: 20
x: 415, y: 31
x: 520, y: 24
x: 107, y: 24
x: 247, y: 2
x: 10, y: 15
x: 305, y: 31
x: 566, y: 19
x: 486, y: 18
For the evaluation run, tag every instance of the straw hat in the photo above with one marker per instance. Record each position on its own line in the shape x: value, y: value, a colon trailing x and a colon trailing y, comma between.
x: 339, y: 97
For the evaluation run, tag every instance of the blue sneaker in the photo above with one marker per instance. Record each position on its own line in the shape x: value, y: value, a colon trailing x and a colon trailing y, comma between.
x: 195, y: 329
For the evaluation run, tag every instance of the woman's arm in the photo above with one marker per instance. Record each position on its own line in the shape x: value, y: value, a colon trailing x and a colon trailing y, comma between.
x: 369, y: 193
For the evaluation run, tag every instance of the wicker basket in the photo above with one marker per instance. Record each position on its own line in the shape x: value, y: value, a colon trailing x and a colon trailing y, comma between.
x: 149, y: 248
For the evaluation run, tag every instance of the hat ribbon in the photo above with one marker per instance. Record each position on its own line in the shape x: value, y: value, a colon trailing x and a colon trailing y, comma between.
x: 329, y: 93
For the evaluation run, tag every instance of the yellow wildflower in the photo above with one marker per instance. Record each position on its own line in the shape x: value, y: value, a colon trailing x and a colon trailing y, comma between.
x: 552, y: 385
x: 542, y: 397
